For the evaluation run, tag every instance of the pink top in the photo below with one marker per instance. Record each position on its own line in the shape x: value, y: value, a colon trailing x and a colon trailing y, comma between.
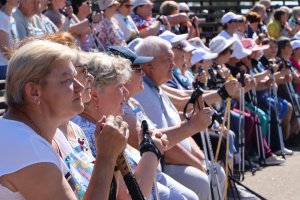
x: 297, y: 66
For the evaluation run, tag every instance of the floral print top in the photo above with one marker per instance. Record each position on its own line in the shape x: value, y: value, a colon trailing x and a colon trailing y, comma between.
x: 110, y: 33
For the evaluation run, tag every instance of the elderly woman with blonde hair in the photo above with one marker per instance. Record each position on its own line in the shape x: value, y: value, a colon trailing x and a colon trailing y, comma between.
x: 42, y: 92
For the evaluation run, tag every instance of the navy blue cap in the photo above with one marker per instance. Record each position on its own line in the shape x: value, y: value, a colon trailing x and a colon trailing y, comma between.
x: 127, y: 53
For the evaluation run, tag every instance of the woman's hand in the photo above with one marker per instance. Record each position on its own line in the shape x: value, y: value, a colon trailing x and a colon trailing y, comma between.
x: 68, y: 10
x: 159, y: 139
x: 111, y: 136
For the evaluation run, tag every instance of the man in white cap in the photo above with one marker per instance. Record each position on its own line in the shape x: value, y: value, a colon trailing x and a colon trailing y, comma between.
x: 147, y: 25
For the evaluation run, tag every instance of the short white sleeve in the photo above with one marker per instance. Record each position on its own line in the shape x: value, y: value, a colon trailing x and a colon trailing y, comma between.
x: 21, y: 147
x: 4, y: 22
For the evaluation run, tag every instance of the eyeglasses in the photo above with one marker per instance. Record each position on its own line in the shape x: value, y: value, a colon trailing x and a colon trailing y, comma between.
x: 87, y: 3
x: 180, y: 47
x: 85, y: 71
x: 231, y: 51
x: 137, y: 68
x: 185, y: 11
x: 128, y: 6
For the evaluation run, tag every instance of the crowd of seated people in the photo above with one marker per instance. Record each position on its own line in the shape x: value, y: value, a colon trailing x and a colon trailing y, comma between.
x: 79, y: 85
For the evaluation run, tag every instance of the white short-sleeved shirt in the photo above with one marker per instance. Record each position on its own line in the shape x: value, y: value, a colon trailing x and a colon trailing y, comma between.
x: 23, y: 147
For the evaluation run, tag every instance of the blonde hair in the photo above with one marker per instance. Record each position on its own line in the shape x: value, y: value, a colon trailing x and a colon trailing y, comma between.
x: 108, y: 70
x: 31, y: 63
x: 168, y: 7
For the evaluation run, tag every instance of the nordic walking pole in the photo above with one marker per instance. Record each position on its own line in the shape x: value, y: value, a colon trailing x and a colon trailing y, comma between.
x: 277, y: 116
x: 196, y: 98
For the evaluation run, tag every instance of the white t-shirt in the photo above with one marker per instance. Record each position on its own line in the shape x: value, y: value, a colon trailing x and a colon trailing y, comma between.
x: 8, y: 25
x: 20, y: 148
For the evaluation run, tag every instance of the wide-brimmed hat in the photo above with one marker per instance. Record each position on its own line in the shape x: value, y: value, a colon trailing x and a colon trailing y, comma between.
x: 173, y: 38
x: 137, y: 3
x: 251, y: 45
x: 239, y: 51
x: 187, y: 46
x: 200, y: 54
x: 219, y: 44
x: 127, y: 53
x: 229, y: 16
x: 103, y: 4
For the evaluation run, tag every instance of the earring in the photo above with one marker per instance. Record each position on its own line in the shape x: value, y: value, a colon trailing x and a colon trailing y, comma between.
x: 96, y: 107
x: 38, y: 102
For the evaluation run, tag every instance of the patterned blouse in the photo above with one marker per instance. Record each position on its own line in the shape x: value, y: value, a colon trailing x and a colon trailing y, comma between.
x: 142, y: 22
x: 110, y: 33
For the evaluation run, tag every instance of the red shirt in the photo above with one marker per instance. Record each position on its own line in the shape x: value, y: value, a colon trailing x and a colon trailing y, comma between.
x: 297, y: 66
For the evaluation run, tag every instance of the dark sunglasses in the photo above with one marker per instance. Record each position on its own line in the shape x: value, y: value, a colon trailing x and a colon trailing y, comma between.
x: 85, y: 70
x: 180, y: 47
x: 128, y: 6
x: 233, y: 20
x: 231, y: 51
x: 137, y: 68
x: 87, y: 3
x: 184, y: 11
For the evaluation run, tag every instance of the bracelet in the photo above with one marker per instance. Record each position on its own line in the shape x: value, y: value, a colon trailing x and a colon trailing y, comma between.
x: 223, y: 93
x: 146, y: 147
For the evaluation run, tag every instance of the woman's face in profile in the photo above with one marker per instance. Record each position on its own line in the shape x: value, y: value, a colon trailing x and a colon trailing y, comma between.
x: 111, y: 99
x: 61, y: 93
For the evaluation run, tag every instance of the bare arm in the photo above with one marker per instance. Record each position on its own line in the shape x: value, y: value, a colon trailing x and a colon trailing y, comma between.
x: 177, y: 18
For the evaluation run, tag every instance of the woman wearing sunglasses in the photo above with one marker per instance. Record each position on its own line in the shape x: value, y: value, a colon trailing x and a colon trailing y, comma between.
x: 126, y: 23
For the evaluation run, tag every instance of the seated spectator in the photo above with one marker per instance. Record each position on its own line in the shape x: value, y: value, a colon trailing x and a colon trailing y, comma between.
x: 110, y: 33
x: 57, y: 17
x: 8, y: 32
x: 278, y: 27
x: 291, y: 30
x: 295, y: 16
x: 295, y: 58
x: 182, y: 161
x: 261, y: 10
x: 268, y: 11
x: 171, y: 10
x: 253, y: 20
x: 125, y: 21
x: 49, y: 26
x: 41, y: 96
x: 110, y: 75
x: 242, y: 28
x: 83, y: 10
x: 27, y: 21
x: 142, y: 11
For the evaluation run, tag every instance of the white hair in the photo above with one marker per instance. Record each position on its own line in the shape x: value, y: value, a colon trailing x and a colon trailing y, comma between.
x: 152, y: 46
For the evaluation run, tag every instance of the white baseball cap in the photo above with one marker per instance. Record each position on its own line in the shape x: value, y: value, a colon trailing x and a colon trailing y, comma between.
x: 295, y: 44
x: 137, y: 3
x: 296, y: 36
x: 219, y: 44
x: 173, y: 38
x: 229, y: 16
x: 200, y: 54
x: 239, y: 51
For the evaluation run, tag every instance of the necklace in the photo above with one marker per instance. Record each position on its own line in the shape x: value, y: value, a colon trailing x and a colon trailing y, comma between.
x: 39, y: 132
